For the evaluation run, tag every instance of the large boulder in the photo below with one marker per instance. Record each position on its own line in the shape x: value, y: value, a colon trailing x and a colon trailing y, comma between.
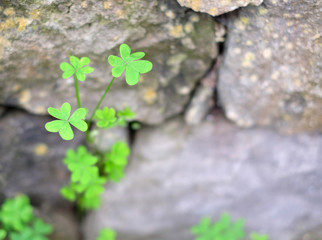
x: 178, y: 174
x: 271, y: 74
x: 217, y: 7
x: 37, y: 35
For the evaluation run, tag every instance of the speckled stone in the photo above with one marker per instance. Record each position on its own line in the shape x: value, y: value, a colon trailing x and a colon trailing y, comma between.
x: 217, y: 7
x: 36, y: 35
x: 178, y: 174
x: 272, y: 74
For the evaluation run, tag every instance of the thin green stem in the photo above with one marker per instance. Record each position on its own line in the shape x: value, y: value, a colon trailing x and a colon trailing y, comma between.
x: 77, y: 92
x: 97, y: 107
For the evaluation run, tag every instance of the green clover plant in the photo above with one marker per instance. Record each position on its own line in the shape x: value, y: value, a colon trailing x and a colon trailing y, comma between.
x: 89, y: 168
x: 63, y: 124
x: 107, y: 234
x: 130, y: 63
x: 17, y: 221
x: 223, y: 229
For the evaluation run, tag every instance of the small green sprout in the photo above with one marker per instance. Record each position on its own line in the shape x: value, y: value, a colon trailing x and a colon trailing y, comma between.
x: 16, y: 213
x: 131, y: 63
x: 81, y: 164
x: 222, y: 229
x: 63, y: 124
x: 76, y: 67
x: 116, y: 161
x: 255, y: 236
x: 107, y: 234
x: 105, y: 117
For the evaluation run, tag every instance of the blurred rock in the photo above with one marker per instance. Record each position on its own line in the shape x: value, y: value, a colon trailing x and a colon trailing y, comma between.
x: 314, y: 234
x: 37, y: 35
x: 217, y: 7
x: 31, y: 158
x: 202, y: 100
x: 179, y: 174
x: 271, y: 74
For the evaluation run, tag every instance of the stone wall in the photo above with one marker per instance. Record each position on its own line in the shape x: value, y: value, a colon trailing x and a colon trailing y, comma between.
x: 242, y: 79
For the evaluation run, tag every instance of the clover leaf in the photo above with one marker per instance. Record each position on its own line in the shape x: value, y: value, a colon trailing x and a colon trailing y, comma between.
x: 255, y: 236
x: 126, y: 113
x: 116, y: 160
x: 130, y: 63
x: 81, y: 163
x: 105, y: 117
x: 16, y: 213
x: 63, y: 124
x: 76, y: 67
x: 3, y: 234
x: 42, y: 228
x: 107, y: 234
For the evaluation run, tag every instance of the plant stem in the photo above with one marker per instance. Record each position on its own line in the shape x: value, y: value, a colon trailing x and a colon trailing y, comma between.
x: 98, y: 105
x: 77, y: 92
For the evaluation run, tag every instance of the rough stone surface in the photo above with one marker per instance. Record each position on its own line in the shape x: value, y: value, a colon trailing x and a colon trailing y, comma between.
x: 272, y: 69
x: 36, y: 35
x: 31, y: 164
x: 217, y: 7
x: 179, y: 174
x: 31, y: 157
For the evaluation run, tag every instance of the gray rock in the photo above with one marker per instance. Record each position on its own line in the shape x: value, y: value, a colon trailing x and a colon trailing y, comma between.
x: 271, y: 74
x: 37, y: 35
x: 31, y: 158
x: 179, y: 174
x: 217, y: 7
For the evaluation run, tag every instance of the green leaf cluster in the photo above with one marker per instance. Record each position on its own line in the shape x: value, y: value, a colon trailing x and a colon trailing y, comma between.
x: 108, y: 118
x: 87, y: 181
x: 129, y: 63
x: 63, y: 125
x: 77, y: 67
x: 116, y: 160
x: 17, y: 221
x: 107, y: 234
x: 223, y: 229
x: 86, y: 184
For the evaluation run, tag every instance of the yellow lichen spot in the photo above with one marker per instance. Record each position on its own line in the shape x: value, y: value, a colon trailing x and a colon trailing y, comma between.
x: 9, y: 12
x: 24, y: 96
x: 22, y: 23
x: 107, y: 5
x: 8, y: 24
x: 40, y: 149
x: 240, y: 26
x: 298, y: 15
x: 262, y: 10
x: 34, y: 14
x: 177, y: 31
x: 237, y: 50
x: 275, y: 75
x: 194, y: 18
x: 244, y: 20
x: 289, y: 45
x: 120, y: 13
x: 194, y: 4
x: 297, y: 83
x: 275, y: 35
x: 188, y: 27
x: 40, y: 109
x: 267, y: 53
x: 253, y: 78
x: 150, y: 96
x: 249, y: 43
x: 289, y: 23
x: 248, y: 58
x: 84, y: 4
x: 170, y: 14
x: 213, y: 11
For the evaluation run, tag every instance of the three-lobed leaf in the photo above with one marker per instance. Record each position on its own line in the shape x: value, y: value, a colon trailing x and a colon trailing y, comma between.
x: 130, y: 63
x: 63, y: 124
x: 76, y: 67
